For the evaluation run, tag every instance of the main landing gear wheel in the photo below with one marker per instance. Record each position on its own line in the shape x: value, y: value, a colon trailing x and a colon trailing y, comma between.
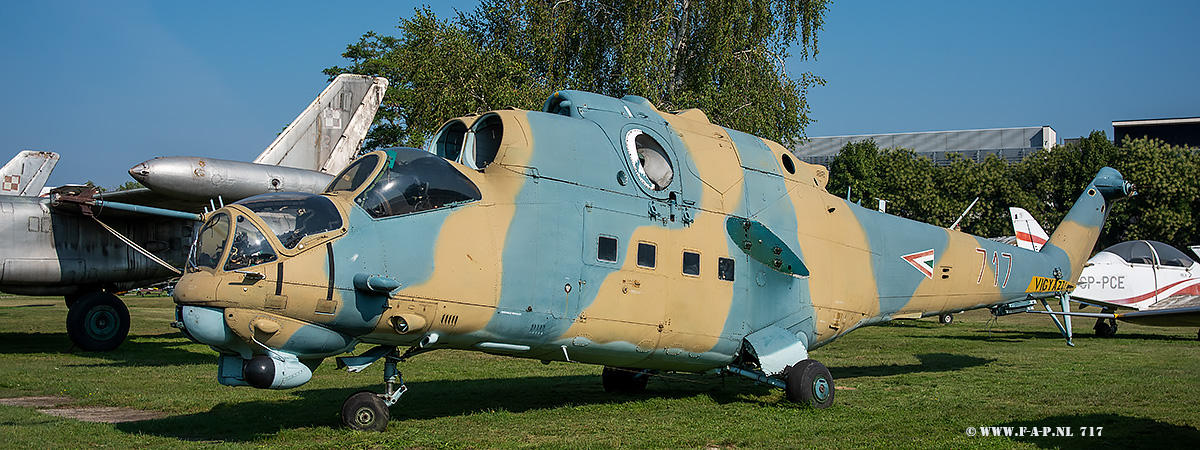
x: 946, y: 319
x: 1105, y: 329
x: 365, y: 411
x: 809, y: 382
x: 624, y: 381
x: 98, y: 322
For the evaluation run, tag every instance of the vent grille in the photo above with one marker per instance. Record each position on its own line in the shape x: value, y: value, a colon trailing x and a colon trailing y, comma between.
x: 449, y: 319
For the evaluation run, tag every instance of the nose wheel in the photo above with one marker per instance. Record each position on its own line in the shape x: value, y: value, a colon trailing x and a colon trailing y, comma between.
x: 365, y: 411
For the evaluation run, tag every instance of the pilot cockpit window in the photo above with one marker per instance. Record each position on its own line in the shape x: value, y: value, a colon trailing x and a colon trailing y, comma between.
x: 211, y: 242
x: 1134, y: 252
x: 650, y: 162
x: 292, y: 216
x: 355, y: 175
x: 1170, y: 256
x: 249, y: 248
x: 416, y: 181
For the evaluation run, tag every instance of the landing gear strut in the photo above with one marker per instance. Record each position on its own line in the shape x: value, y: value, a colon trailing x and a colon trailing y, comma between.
x: 1105, y: 329
x: 366, y: 410
x: 97, y: 321
x: 807, y: 382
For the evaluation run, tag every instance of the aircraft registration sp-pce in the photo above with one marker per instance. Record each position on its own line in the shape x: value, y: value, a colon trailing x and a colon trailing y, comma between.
x: 598, y: 230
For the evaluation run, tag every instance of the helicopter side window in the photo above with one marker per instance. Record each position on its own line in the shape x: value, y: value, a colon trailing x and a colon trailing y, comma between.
x: 416, y: 181
x: 211, y: 242
x: 250, y: 247
x: 650, y: 162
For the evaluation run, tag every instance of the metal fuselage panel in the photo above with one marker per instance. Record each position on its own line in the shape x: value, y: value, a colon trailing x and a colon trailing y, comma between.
x: 52, y: 252
x: 521, y: 272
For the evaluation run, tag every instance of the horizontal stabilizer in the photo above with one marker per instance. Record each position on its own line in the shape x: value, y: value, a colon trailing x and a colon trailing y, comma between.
x: 1168, y: 317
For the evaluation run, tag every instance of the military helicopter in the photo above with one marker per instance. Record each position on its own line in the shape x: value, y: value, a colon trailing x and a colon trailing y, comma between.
x: 597, y: 230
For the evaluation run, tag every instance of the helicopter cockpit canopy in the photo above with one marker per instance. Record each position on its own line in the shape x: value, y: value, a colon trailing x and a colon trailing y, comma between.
x: 290, y: 216
x: 411, y: 181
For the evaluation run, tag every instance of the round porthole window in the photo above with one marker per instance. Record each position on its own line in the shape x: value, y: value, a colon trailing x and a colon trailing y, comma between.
x: 650, y: 162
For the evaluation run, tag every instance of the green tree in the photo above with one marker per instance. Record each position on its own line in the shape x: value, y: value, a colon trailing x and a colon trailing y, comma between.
x: 1046, y: 183
x: 726, y: 57
x: 1168, y: 194
x: 128, y: 185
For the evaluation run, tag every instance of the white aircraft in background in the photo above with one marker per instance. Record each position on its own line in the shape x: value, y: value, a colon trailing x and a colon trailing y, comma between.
x: 1142, y: 282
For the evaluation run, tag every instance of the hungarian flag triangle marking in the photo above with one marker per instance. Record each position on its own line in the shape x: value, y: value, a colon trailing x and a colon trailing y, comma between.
x: 922, y: 260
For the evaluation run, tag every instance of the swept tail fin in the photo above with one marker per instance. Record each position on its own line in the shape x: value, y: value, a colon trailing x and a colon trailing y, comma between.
x: 26, y: 173
x: 326, y: 136
x: 1030, y: 234
x: 1077, y: 234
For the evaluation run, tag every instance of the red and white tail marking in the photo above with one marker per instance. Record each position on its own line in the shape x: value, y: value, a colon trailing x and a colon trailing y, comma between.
x: 1030, y: 234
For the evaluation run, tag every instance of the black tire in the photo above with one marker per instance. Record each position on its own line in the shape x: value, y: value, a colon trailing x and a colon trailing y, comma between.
x: 70, y: 299
x: 809, y: 383
x: 946, y: 319
x: 624, y: 381
x: 98, y: 322
x: 1105, y: 330
x: 365, y: 411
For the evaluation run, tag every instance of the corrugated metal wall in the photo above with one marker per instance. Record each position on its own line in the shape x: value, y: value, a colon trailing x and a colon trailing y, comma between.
x: 1010, y: 144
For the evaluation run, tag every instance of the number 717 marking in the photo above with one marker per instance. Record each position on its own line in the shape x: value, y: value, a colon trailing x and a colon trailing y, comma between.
x: 995, y: 263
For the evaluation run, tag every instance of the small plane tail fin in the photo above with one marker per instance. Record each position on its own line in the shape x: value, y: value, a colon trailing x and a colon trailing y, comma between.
x: 326, y: 136
x: 27, y: 173
x: 1077, y: 234
x: 1030, y: 234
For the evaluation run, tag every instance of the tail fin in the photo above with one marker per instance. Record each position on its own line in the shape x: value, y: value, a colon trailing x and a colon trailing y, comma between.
x: 1077, y: 233
x: 326, y: 136
x: 1030, y: 234
x: 26, y: 173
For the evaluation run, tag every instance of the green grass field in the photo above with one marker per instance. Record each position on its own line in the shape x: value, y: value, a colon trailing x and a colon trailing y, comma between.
x: 909, y: 384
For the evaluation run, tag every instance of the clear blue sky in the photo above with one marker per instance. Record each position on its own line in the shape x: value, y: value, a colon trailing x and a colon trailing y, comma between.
x: 110, y: 84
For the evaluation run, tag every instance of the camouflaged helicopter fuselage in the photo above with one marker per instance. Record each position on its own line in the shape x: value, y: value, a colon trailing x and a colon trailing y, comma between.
x: 528, y: 270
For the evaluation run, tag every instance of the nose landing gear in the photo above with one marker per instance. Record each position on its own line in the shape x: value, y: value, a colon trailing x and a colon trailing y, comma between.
x: 366, y: 410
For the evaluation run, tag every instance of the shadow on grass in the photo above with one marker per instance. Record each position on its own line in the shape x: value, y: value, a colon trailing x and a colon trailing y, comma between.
x: 139, y: 350
x: 1003, y: 335
x: 35, y: 305
x: 930, y: 362
x: 246, y: 421
x: 1118, y: 432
